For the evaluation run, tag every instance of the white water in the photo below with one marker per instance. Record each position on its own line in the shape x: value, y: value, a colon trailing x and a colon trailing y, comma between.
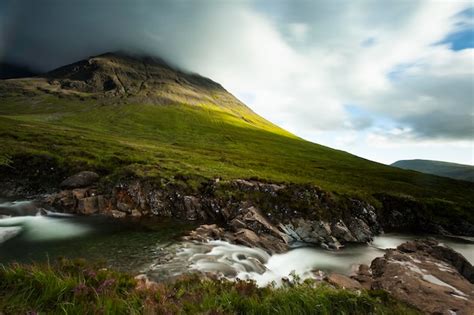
x: 40, y: 228
x: 7, y: 233
x: 234, y: 261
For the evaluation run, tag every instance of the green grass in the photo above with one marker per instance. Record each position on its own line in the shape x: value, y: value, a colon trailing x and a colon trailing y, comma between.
x: 73, y: 287
x: 204, y: 141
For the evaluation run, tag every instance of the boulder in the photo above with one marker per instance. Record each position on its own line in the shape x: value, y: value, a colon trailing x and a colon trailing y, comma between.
x: 205, y: 232
x: 254, y: 217
x: 421, y: 274
x: 88, y: 205
x: 360, y: 230
x: 446, y: 254
x: 267, y: 242
x: 363, y: 275
x: 80, y: 180
x: 237, y: 224
x: 80, y: 193
x: 342, y: 281
x: 342, y: 233
x: 118, y: 214
x: 192, y: 206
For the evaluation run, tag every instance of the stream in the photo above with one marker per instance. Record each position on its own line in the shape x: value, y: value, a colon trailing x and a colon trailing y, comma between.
x: 153, y: 247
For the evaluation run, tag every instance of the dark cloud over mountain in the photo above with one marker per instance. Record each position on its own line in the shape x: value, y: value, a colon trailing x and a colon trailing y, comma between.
x: 298, y: 64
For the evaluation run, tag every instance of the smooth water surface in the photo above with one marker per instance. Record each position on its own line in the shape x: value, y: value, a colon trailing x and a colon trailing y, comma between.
x: 28, y: 235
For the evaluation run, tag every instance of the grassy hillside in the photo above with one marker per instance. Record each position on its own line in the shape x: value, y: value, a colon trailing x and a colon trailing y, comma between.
x: 210, y: 134
x: 446, y: 169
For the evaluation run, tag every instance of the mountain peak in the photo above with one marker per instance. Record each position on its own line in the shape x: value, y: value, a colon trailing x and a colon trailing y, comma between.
x: 134, y: 79
x: 119, y: 73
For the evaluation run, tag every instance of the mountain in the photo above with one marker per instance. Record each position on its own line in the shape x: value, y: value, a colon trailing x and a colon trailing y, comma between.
x: 446, y: 169
x: 11, y: 71
x: 130, y: 116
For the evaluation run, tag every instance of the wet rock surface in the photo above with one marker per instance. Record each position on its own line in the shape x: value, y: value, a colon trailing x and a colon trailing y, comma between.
x: 424, y: 273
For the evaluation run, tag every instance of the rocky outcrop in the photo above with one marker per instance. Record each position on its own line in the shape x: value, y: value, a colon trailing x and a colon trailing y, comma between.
x: 332, y: 235
x: 247, y: 212
x: 433, y: 278
x: 241, y: 236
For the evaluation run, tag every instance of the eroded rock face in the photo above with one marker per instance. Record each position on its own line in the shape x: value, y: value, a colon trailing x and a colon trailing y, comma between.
x: 242, y: 219
x: 431, y: 277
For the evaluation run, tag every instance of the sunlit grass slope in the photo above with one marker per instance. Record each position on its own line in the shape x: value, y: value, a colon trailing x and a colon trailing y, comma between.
x: 202, y: 141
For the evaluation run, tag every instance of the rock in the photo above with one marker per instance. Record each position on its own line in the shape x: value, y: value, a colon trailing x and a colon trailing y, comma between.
x: 192, y: 206
x: 334, y: 243
x: 446, y: 254
x: 289, y: 230
x: 117, y: 214
x: 313, y: 232
x: 88, y: 205
x: 267, y: 242
x: 421, y: 274
x: 237, y: 224
x: 343, y: 282
x: 247, y: 237
x: 205, y: 232
x: 122, y: 206
x: 363, y: 275
x: 80, y: 180
x: 253, y: 215
x: 304, y: 230
x: 80, y: 193
x: 102, y: 203
x: 360, y: 230
x: 341, y: 232
x: 136, y: 213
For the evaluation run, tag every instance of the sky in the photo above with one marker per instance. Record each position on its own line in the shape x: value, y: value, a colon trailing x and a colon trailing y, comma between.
x: 385, y: 80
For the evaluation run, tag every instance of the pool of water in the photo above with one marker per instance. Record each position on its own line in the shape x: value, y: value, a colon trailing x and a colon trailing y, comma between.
x: 28, y: 235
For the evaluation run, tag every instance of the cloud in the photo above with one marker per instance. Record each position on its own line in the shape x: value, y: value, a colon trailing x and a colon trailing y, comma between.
x: 297, y: 64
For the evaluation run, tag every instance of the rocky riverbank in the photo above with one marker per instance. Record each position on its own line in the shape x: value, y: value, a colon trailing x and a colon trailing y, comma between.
x: 254, y: 213
x: 248, y: 212
x: 424, y: 273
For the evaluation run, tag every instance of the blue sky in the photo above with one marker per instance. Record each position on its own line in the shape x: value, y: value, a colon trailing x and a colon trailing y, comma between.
x: 464, y: 37
x: 385, y: 80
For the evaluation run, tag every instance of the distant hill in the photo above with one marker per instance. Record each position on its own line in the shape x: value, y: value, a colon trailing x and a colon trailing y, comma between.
x: 446, y: 169
x: 13, y: 71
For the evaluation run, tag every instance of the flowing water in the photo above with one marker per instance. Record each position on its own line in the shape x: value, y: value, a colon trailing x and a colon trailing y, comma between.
x: 153, y: 247
x: 28, y: 235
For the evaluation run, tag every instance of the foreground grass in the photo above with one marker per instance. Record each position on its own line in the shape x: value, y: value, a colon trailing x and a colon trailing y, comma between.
x: 74, y: 287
